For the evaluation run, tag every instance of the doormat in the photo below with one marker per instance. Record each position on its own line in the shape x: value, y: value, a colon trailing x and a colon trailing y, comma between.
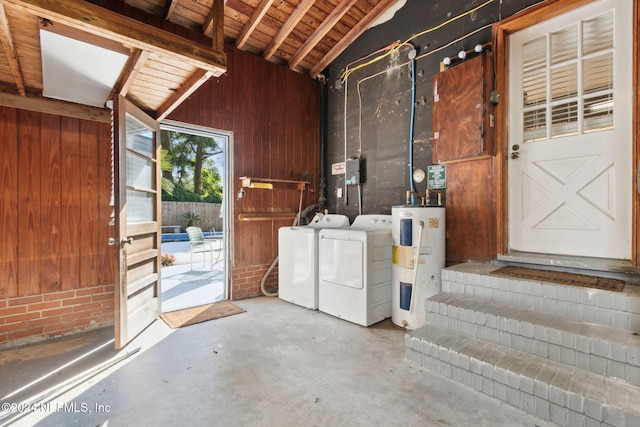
x: 202, y: 313
x: 561, y: 277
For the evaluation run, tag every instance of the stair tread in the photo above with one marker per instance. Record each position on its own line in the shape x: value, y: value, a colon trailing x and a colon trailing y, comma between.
x: 519, y: 364
x: 591, y: 330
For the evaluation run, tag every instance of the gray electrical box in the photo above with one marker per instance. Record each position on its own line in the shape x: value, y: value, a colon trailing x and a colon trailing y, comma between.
x: 352, y: 172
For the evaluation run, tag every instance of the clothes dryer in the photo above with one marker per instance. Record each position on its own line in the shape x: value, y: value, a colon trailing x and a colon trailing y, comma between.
x: 355, y: 270
x: 298, y: 259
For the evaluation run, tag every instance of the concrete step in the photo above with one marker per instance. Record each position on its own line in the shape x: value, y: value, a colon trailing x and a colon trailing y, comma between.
x: 617, y: 309
x: 604, y: 350
x: 549, y: 389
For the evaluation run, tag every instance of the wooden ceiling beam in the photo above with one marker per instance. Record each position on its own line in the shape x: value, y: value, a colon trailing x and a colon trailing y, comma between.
x: 216, y: 15
x: 59, y: 108
x: 9, y: 47
x: 170, y: 8
x: 351, y: 36
x: 130, y: 72
x: 253, y: 22
x: 322, y: 30
x: 196, y: 80
x: 106, y: 23
x: 288, y: 26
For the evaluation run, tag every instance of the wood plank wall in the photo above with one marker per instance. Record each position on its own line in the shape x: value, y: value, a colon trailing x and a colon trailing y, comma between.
x: 275, y: 119
x: 471, y: 210
x: 55, y: 191
x: 274, y: 114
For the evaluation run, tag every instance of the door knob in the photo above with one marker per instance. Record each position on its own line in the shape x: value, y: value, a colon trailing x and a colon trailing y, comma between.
x: 113, y: 242
x: 515, y: 155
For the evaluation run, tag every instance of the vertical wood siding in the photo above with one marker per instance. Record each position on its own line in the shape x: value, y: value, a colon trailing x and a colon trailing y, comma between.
x: 275, y: 119
x: 8, y: 202
x: 54, y: 204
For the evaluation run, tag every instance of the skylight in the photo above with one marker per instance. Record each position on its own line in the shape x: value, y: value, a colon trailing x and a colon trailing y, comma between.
x: 79, y: 72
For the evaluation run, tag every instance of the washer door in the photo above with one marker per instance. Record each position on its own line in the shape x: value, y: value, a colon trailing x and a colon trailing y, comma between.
x: 342, y: 261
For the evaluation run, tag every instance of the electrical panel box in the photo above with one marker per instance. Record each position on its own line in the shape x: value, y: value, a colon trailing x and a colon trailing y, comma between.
x: 463, y: 124
x: 352, y: 174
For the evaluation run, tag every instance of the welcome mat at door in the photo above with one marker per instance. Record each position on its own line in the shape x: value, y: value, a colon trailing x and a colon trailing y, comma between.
x: 202, y: 313
x: 561, y: 277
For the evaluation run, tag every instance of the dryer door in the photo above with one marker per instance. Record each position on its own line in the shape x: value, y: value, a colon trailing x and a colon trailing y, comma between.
x: 341, y: 261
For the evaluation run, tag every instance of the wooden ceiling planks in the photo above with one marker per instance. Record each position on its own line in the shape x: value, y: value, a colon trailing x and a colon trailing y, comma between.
x: 304, y: 35
x: 299, y: 33
x: 161, y: 64
x: 23, y: 28
x: 256, y: 17
x: 287, y: 27
x: 9, y: 47
x: 353, y: 34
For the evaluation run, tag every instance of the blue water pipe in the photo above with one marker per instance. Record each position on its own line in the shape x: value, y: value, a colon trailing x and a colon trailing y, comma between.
x: 412, y: 55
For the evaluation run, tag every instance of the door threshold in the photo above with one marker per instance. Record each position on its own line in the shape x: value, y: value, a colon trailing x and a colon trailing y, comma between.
x: 614, y: 268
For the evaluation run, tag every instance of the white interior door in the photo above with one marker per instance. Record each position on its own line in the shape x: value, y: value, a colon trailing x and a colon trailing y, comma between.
x: 137, y: 202
x: 570, y: 140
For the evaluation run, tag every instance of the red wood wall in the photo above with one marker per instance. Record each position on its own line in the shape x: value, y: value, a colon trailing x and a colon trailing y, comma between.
x: 275, y: 119
x: 471, y: 210
x: 56, y: 270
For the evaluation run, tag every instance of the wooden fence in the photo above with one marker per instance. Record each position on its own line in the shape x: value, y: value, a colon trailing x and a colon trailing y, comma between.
x: 209, y: 213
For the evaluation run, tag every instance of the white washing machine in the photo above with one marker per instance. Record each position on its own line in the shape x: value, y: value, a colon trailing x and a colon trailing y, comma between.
x: 355, y: 270
x: 298, y: 259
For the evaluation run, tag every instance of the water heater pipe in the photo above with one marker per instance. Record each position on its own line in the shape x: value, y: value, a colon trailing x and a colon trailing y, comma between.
x: 413, y: 113
x: 415, y: 268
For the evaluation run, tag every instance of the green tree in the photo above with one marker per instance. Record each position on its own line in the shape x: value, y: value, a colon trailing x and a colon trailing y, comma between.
x: 166, y: 166
x: 211, y: 183
x: 193, y: 169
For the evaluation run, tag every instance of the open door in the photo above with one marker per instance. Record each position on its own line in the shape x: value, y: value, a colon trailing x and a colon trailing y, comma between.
x: 137, y: 212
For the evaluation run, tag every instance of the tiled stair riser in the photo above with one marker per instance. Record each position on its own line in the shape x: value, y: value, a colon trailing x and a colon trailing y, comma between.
x: 531, y: 333
x: 564, y: 353
x: 615, y: 309
x: 544, y: 388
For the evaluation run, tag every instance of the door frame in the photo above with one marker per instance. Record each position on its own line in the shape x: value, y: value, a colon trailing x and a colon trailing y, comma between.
x: 226, y: 189
x: 501, y: 31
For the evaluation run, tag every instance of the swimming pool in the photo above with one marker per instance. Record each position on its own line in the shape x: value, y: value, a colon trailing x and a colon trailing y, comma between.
x: 180, y: 237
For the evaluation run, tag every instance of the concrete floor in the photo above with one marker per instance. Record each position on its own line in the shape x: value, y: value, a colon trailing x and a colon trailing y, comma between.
x: 277, y: 364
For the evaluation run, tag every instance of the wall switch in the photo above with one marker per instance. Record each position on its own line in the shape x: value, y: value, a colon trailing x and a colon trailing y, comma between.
x: 339, y: 192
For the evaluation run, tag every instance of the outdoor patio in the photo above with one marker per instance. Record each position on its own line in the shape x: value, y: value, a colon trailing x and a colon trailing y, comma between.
x: 183, y: 287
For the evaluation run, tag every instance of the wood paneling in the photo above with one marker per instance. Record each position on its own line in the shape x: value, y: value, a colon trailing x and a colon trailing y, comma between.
x: 54, y: 204
x: 274, y: 116
x: 70, y: 183
x: 50, y: 197
x: 9, y: 168
x: 461, y: 120
x: 29, y: 231
x: 89, y: 245
x: 471, y: 211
